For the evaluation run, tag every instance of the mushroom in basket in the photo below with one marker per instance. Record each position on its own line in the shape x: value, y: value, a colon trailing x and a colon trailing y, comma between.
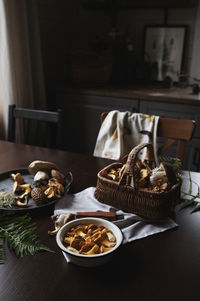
x: 158, y: 179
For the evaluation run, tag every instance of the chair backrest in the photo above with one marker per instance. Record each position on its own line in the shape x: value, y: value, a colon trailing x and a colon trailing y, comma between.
x: 52, y: 121
x: 175, y: 130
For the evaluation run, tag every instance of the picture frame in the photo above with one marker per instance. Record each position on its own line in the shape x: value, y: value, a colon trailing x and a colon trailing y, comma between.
x: 164, y: 50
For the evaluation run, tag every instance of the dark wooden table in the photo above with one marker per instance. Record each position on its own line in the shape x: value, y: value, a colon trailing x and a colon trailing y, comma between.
x: 164, y: 266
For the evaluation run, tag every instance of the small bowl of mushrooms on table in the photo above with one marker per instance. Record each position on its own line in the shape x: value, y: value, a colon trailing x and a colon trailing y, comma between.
x: 89, y: 242
x: 40, y: 184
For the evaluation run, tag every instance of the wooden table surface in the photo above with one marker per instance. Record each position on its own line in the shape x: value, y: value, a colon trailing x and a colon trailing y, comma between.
x: 164, y: 266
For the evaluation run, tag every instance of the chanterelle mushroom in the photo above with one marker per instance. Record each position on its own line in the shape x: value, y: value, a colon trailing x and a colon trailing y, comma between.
x: 55, y: 189
x: 26, y: 187
x: 93, y: 250
x: 58, y: 175
x: 25, y: 195
x: 108, y: 244
x: 17, y: 178
x: 20, y: 203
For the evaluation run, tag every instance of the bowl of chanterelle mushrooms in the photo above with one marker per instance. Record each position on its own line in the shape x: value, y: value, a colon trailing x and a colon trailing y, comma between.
x: 89, y: 242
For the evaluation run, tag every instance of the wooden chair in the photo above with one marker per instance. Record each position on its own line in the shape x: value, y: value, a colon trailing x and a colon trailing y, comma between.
x: 38, y: 118
x: 174, y: 130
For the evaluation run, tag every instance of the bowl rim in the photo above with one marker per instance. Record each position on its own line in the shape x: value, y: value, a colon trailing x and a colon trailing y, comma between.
x: 64, y: 249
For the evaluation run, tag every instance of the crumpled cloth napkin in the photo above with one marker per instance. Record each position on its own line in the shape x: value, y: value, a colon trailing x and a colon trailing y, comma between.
x: 132, y: 226
x: 121, y: 131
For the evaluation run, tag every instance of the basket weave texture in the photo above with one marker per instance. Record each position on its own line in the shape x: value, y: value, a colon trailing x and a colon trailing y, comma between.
x: 125, y: 194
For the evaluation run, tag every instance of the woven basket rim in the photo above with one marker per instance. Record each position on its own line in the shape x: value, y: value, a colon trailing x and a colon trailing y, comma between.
x: 127, y: 196
x: 116, y: 183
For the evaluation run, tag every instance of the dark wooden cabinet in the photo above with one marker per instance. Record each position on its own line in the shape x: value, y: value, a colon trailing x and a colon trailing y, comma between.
x: 192, y: 161
x: 82, y: 120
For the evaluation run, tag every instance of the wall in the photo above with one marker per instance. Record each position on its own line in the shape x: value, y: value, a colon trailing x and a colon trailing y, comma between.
x: 135, y: 20
x: 195, y: 62
x: 65, y: 25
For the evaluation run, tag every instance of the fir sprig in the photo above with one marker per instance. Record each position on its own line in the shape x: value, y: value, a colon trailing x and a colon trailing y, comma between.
x: 20, y: 235
x: 176, y: 163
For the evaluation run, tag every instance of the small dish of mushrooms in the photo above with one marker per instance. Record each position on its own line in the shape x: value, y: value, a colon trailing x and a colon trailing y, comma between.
x: 89, y: 241
x: 41, y: 184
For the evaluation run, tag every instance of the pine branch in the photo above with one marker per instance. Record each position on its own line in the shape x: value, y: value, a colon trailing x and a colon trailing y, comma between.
x: 20, y: 235
x: 175, y: 162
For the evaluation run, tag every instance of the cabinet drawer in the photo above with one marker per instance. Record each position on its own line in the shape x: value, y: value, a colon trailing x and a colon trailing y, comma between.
x: 103, y: 102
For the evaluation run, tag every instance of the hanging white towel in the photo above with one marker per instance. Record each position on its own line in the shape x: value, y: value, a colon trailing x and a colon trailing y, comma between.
x: 120, y: 132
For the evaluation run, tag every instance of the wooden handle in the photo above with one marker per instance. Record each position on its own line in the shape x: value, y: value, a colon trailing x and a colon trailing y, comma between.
x: 110, y: 215
x: 128, y: 176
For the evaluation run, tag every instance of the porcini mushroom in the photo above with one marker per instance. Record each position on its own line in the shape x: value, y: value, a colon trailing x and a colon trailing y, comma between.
x: 59, y: 221
x: 41, y: 178
x: 37, y: 165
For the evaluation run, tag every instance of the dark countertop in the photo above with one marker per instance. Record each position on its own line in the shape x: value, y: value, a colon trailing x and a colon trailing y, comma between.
x: 155, y: 93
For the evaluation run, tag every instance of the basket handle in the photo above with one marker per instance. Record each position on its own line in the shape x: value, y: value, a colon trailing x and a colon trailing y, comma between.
x: 128, y: 176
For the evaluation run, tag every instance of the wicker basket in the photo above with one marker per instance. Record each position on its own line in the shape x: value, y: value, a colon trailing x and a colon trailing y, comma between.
x: 128, y: 197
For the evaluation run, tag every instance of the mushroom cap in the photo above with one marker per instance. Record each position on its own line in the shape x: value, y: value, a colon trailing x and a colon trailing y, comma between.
x: 41, y: 178
x: 41, y: 175
x: 38, y: 165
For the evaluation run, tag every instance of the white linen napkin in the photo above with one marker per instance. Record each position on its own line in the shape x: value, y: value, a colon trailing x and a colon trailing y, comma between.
x: 132, y: 226
x: 120, y: 132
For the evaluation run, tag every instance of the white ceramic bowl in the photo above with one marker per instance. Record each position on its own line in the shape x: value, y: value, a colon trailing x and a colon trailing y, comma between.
x: 89, y: 260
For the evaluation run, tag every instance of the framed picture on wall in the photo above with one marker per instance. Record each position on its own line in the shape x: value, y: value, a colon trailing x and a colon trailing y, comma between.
x: 164, y: 49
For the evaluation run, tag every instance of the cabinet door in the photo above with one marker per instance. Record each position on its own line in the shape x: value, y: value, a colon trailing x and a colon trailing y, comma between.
x: 82, y: 118
x: 192, y: 156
